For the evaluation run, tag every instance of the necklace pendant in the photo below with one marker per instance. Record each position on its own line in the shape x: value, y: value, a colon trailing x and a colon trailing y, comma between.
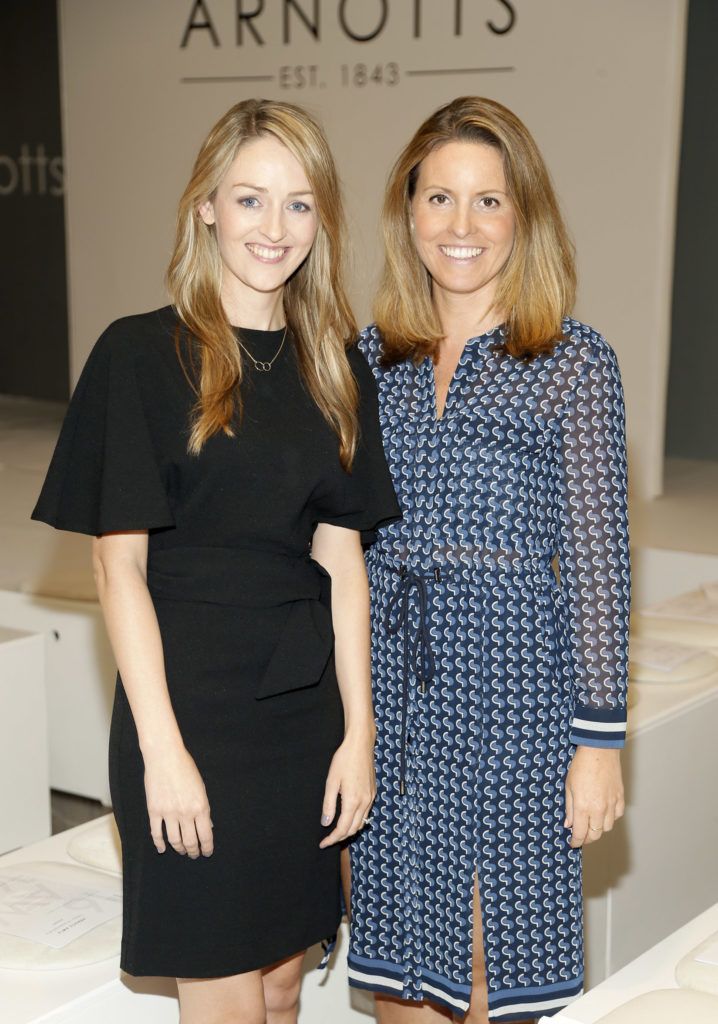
x: 261, y: 365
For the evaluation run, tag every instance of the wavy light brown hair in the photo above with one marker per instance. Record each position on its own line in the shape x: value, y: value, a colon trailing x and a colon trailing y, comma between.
x: 317, y: 312
x: 538, y: 283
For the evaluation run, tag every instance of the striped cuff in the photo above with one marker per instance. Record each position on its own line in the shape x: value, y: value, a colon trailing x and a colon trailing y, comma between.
x: 594, y: 728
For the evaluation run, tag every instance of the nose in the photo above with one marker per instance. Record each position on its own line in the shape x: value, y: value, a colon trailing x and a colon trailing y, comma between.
x: 462, y: 221
x: 273, y: 223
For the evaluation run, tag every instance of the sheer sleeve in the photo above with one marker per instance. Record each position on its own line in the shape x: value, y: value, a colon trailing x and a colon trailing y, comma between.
x: 593, y: 550
x: 105, y: 474
x: 365, y: 498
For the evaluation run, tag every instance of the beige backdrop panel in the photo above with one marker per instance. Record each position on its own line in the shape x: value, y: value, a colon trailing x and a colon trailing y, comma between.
x: 599, y: 82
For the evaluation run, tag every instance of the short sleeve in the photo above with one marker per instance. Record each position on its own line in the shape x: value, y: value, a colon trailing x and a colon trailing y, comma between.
x: 364, y: 498
x: 105, y: 474
x: 593, y: 550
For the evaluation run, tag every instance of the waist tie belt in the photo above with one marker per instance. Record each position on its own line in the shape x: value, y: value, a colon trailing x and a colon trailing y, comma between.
x: 256, y: 579
x: 417, y: 651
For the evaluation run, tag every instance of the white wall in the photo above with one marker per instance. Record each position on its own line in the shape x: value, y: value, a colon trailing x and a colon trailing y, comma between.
x: 599, y: 82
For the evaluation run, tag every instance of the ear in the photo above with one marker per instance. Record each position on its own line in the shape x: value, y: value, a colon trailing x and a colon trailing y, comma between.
x: 206, y: 211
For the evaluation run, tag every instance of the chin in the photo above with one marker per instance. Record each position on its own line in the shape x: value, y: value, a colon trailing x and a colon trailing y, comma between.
x: 266, y: 282
x: 460, y: 285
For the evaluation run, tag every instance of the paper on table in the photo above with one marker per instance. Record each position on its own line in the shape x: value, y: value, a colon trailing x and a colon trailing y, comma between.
x: 52, y: 913
x: 709, y: 955
x: 661, y: 655
x: 696, y: 606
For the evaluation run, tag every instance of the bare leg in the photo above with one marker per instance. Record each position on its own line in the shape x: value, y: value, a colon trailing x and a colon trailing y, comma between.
x: 222, y: 1000
x: 282, y: 982
x: 479, y: 1005
x: 401, y: 1011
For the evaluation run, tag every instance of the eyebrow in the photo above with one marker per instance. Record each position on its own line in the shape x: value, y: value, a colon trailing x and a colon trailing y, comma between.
x: 259, y: 188
x: 481, y: 192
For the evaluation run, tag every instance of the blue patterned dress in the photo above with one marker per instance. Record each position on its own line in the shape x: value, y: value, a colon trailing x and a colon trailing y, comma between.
x: 487, y: 671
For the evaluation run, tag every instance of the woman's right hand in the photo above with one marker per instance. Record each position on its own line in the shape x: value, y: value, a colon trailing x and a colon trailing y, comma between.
x: 176, y: 796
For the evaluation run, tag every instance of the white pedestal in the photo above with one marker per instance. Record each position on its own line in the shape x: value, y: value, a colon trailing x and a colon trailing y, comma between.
x: 24, y: 778
x: 80, y: 686
x: 657, y: 869
x: 654, y: 969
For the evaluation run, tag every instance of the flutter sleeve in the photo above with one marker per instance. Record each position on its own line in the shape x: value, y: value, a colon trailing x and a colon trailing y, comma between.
x: 364, y: 498
x: 593, y: 549
x: 105, y: 474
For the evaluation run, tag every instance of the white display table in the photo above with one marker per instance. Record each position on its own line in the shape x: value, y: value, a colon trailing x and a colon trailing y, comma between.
x: 84, y: 994
x: 657, y: 869
x: 80, y: 684
x: 24, y: 776
x: 655, y: 969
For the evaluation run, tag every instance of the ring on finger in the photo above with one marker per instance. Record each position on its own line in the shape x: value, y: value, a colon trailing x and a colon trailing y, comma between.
x: 592, y: 829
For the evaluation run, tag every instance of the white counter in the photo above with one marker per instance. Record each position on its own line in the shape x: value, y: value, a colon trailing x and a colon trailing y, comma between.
x: 654, y: 969
x: 657, y: 869
x: 24, y: 771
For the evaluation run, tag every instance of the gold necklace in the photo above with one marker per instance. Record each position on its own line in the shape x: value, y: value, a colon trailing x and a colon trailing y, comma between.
x: 262, y: 365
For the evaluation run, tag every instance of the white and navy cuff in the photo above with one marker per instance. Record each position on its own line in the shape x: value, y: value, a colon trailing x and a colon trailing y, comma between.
x: 594, y: 728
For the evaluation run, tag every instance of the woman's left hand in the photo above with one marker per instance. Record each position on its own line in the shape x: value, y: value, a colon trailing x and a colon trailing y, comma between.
x: 594, y: 794
x: 351, y: 776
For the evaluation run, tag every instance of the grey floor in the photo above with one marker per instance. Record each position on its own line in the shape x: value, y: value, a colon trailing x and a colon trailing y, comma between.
x: 69, y: 810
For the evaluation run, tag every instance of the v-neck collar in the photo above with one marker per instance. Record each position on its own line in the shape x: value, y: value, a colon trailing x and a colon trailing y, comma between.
x: 466, y: 370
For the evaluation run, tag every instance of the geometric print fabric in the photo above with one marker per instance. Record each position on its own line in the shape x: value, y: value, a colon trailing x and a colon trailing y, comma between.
x: 487, y: 671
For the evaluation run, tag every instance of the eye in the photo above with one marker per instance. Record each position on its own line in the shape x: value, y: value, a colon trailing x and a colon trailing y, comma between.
x: 249, y: 202
x: 299, y: 207
x: 440, y: 199
x: 489, y: 202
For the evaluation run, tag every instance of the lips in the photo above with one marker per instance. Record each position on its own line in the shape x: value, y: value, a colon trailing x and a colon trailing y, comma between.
x: 268, y: 253
x: 461, y: 252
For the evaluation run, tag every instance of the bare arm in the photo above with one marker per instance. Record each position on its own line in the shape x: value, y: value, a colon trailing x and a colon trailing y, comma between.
x: 352, y: 770
x: 174, y: 788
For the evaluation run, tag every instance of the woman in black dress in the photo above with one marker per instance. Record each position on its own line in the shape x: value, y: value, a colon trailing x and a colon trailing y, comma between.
x: 208, y: 448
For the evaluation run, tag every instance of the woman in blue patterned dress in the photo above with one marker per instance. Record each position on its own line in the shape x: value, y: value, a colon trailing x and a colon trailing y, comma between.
x: 500, y: 693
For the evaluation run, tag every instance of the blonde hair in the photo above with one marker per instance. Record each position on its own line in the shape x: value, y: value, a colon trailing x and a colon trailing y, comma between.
x: 317, y: 311
x: 538, y: 283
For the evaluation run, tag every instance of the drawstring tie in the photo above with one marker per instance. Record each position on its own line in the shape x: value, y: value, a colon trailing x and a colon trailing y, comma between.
x: 417, y: 651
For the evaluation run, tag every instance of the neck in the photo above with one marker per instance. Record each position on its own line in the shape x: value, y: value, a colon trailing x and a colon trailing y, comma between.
x: 259, y: 311
x: 465, y: 316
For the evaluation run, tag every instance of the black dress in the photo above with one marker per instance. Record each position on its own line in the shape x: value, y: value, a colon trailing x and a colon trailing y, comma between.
x: 245, y: 620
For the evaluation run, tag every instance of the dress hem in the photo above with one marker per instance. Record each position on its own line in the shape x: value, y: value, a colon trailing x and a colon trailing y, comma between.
x: 505, y: 1005
x: 254, y: 964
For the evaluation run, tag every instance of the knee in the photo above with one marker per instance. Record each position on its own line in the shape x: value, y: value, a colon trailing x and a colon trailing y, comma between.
x: 281, y: 991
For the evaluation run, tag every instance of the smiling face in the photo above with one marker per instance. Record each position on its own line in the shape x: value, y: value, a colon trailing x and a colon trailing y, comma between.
x: 464, y: 222
x: 265, y: 220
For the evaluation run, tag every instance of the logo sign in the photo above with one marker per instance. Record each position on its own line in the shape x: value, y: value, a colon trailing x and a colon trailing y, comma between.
x: 257, y: 25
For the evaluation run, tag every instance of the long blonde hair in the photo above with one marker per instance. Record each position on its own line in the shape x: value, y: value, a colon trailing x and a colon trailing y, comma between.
x: 317, y: 311
x: 538, y: 283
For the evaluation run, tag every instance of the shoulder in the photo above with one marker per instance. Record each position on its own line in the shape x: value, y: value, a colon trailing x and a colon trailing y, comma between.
x: 132, y: 333
x: 135, y: 341
x: 362, y: 372
x: 584, y: 346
